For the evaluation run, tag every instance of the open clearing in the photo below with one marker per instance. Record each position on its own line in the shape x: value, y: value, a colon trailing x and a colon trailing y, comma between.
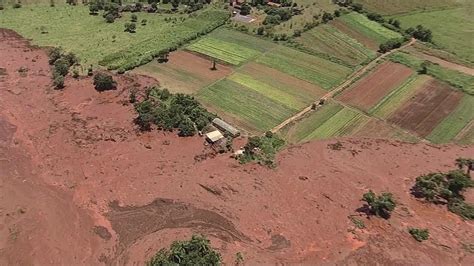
x: 94, y: 40
x: 427, y: 108
x: 184, y: 72
x: 316, y: 70
x: 390, y: 7
x: 378, y: 129
x: 369, y: 29
x: 327, y: 40
x: 368, y: 91
x: 453, y: 29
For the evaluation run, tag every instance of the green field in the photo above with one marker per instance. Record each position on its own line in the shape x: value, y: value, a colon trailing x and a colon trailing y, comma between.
x: 387, y: 7
x: 326, y: 40
x: 450, y: 127
x: 398, y: 96
x: 455, y: 78
x: 453, y: 29
x: 94, y: 40
x: 313, y: 69
x: 254, y: 111
x: 369, y: 28
x: 225, y: 51
x: 467, y: 137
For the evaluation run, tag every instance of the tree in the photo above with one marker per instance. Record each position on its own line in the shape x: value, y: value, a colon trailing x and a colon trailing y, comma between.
x: 130, y: 27
x: 419, y: 234
x: 245, y: 9
x: 144, y: 21
x: 54, y: 54
x: 72, y: 59
x: 464, y: 162
x: 186, y: 128
x: 109, y: 18
x: 381, y: 205
x: 58, y: 82
x: 103, y: 82
x: 196, y: 251
x: 327, y: 17
x: 436, y: 187
x: 61, y: 66
x: 175, y: 4
x: 260, y: 30
x: 93, y: 9
x: 133, y: 18
x: 424, y: 67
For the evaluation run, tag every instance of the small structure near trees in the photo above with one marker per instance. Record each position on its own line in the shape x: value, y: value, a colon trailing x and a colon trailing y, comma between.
x: 214, y: 136
x: 228, y: 129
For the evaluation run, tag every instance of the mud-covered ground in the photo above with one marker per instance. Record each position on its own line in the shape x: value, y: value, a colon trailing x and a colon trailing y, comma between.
x: 80, y: 186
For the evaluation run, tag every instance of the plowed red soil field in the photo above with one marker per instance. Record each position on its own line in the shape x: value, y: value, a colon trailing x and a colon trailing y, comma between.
x: 80, y: 186
x: 368, y: 91
x: 423, y: 112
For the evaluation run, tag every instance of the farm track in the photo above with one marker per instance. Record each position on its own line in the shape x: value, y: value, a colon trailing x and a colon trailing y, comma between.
x: 341, y: 87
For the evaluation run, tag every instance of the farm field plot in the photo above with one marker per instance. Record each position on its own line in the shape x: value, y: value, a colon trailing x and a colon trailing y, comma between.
x: 388, y: 7
x: 454, y: 33
x: 378, y: 129
x: 316, y: 70
x: 332, y: 120
x: 232, y: 47
x: 455, y: 122
x: 328, y: 40
x: 94, y: 40
x: 399, y: 96
x: 364, y: 30
x: 427, y: 108
x: 184, y: 72
x: 368, y: 91
x: 466, y: 136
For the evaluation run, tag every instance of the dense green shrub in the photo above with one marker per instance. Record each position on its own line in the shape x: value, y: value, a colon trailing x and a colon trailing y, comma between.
x: 262, y: 149
x: 194, y: 252
x: 419, y: 234
x: 103, y: 82
x: 380, y: 205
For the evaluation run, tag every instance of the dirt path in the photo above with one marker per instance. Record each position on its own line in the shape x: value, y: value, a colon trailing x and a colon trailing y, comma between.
x: 339, y: 88
x: 444, y: 63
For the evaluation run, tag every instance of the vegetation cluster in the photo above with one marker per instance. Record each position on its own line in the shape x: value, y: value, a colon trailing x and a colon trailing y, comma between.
x: 262, y: 149
x: 61, y: 63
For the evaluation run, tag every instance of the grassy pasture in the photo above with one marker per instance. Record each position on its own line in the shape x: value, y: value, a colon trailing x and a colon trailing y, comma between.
x: 388, y: 7
x: 328, y: 40
x: 455, y: 78
x: 369, y: 28
x: 453, y: 29
x: 256, y: 112
x: 94, y: 40
x: 397, y: 97
x: 450, y: 127
x: 313, y: 69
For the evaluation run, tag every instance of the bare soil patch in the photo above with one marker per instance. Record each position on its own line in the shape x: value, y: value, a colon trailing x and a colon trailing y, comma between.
x: 68, y: 154
x: 184, y: 72
x: 423, y: 112
x: 368, y: 91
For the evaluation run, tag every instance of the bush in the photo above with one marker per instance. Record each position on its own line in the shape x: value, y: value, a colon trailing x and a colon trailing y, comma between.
x: 17, y: 5
x: 61, y: 66
x: 134, y: 18
x: 103, y: 82
x: 58, y: 82
x: 130, y: 27
x: 420, y: 33
x: 196, y: 251
x: 381, y: 205
x: 390, y: 45
x: 262, y: 149
x: 54, y: 54
x: 461, y: 208
x: 419, y: 234
x: 109, y: 18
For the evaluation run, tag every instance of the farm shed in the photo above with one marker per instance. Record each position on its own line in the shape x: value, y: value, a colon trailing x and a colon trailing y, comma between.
x: 222, y: 125
x: 214, y: 136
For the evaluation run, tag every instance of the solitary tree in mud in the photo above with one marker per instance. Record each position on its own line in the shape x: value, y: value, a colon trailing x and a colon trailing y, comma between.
x: 381, y: 205
x: 103, y: 82
x: 196, y: 251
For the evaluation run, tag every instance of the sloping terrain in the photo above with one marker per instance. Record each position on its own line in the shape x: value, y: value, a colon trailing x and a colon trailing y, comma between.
x: 78, y: 185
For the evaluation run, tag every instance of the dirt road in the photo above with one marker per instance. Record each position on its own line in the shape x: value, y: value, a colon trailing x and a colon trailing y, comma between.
x: 342, y: 86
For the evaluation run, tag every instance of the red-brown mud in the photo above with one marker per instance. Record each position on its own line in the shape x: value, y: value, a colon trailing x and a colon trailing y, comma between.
x: 79, y: 186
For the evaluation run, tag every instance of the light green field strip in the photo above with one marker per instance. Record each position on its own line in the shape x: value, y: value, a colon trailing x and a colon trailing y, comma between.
x: 328, y: 40
x: 242, y: 39
x: 369, y: 28
x: 228, y: 52
x: 260, y: 112
x: 387, y: 7
x: 334, y: 125
x: 268, y: 91
x: 450, y: 127
x: 399, y: 96
x: 313, y: 69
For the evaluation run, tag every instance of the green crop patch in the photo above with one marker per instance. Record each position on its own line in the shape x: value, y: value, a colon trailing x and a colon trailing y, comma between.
x: 231, y: 53
x: 242, y: 39
x: 369, y: 28
x: 94, y: 40
x: 450, y: 127
x: 453, y: 29
x: 462, y: 81
x: 256, y: 111
x: 399, y: 96
x: 313, y: 69
x: 388, y: 7
x: 327, y: 40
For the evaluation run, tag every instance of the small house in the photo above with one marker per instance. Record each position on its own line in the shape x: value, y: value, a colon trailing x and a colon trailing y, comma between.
x: 214, y: 136
x: 223, y: 126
